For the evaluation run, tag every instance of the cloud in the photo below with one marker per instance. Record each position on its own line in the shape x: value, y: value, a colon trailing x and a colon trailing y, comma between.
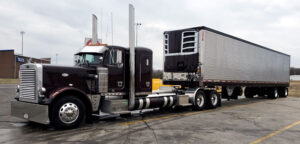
x: 60, y: 26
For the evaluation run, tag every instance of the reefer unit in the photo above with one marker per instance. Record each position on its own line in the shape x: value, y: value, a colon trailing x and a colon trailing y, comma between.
x: 201, y: 56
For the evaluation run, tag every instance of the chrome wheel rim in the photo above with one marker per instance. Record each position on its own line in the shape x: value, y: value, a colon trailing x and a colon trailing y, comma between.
x: 200, y: 100
x: 285, y: 92
x: 68, y: 113
x: 275, y: 93
x: 214, y: 99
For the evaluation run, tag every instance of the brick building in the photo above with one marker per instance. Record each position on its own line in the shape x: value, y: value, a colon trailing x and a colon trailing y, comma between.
x: 10, y: 63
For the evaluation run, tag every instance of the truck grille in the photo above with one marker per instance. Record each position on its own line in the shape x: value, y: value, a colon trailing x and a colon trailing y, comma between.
x: 27, y: 84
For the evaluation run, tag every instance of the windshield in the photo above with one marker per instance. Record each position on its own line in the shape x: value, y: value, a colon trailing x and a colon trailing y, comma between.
x: 89, y: 59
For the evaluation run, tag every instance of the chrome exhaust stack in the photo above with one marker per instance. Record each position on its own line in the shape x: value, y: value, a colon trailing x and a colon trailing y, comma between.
x: 131, y: 100
x: 94, y: 30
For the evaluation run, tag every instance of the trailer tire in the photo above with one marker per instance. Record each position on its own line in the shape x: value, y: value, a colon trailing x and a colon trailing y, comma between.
x: 200, y: 100
x: 67, y: 112
x: 273, y: 93
x: 213, y: 99
x: 283, y: 92
x: 248, y: 93
x: 236, y: 92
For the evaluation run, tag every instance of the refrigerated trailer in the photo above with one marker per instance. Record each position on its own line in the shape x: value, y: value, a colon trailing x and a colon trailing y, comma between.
x: 118, y: 80
x: 204, y: 57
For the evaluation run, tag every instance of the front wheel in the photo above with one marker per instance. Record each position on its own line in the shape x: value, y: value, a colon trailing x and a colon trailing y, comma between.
x: 67, y: 112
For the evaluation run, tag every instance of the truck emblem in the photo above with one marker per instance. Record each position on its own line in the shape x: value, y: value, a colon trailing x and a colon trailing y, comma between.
x: 65, y: 74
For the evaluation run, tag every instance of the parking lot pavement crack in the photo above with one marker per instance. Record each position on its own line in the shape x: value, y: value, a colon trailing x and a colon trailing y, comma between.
x: 127, y: 140
x: 149, y: 127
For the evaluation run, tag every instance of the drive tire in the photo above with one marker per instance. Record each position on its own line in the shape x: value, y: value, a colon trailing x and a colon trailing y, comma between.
x: 213, y: 100
x: 199, y: 101
x: 273, y: 93
x: 67, y: 107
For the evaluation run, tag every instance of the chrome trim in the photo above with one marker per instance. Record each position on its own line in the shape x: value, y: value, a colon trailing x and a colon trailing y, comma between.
x: 147, y: 103
x: 95, y: 101
x: 113, y: 94
x: 30, y: 111
x: 165, y: 101
x: 31, y: 81
x: 68, y: 113
x: 131, y: 100
x: 171, y: 101
x: 191, y: 92
x: 141, y: 103
x: 102, y: 79
x: 143, y: 93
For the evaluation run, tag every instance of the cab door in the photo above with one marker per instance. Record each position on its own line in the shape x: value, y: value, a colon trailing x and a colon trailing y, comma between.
x: 116, y: 73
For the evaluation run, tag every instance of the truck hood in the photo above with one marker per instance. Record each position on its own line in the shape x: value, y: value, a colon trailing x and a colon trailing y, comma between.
x: 55, y: 77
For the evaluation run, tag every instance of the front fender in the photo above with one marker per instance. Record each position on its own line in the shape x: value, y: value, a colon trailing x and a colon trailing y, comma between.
x: 59, y: 91
x: 56, y: 94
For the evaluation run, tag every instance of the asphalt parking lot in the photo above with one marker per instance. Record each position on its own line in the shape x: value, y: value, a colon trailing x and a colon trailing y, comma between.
x: 237, y: 121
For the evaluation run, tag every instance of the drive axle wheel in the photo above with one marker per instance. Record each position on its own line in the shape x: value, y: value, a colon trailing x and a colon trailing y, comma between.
x: 200, y: 100
x: 213, y: 99
x: 67, y: 112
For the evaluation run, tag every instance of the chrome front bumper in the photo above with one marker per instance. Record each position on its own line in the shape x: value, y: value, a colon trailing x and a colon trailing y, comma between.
x: 30, y: 111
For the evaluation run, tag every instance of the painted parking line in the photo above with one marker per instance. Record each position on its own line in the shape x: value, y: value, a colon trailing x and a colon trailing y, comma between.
x: 186, y: 114
x: 275, y: 133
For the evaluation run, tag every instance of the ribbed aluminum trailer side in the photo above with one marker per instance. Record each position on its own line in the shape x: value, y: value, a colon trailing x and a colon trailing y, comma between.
x: 226, y: 59
x: 204, y: 58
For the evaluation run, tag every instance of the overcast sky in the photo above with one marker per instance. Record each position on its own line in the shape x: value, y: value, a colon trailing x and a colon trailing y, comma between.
x: 60, y: 26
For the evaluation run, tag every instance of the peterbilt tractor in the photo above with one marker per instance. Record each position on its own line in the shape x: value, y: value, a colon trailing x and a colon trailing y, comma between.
x: 118, y: 80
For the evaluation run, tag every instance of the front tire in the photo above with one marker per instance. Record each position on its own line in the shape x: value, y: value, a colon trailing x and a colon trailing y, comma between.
x: 67, y: 112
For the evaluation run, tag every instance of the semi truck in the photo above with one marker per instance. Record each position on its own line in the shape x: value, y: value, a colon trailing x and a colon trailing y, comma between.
x: 118, y: 80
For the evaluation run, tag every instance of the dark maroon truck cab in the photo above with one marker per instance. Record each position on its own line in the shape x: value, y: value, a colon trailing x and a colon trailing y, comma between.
x: 84, y: 77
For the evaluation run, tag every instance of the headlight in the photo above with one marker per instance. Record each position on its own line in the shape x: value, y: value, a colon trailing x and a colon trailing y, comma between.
x: 18, y: 89
x: 42, y: 91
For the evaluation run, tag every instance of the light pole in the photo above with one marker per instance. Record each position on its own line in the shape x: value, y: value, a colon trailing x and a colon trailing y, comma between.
x: 56, y: 55
x: 22, y: 33
x: 136, y: 27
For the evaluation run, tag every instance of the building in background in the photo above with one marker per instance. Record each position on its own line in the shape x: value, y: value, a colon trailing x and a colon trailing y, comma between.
x: 10, y: 63
x: 295, y: 74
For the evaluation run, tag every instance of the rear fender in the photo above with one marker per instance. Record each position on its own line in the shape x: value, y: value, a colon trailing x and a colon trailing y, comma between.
x: 191, y: 92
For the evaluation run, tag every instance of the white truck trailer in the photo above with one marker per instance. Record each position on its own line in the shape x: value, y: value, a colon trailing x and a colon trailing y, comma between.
x: 203, y: 57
